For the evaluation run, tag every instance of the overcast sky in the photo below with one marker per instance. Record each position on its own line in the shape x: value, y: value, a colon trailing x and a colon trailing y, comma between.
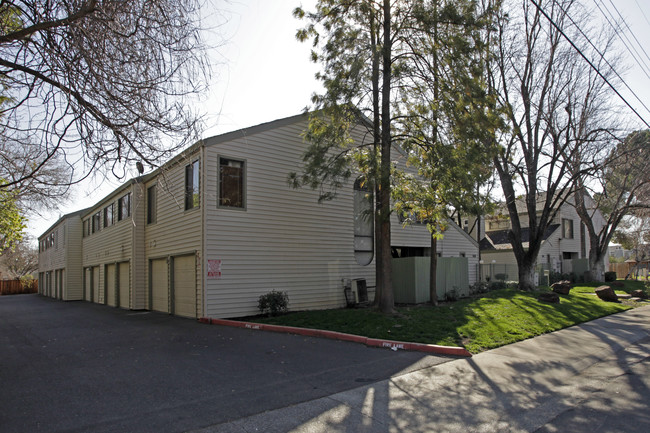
x: 262, y: 73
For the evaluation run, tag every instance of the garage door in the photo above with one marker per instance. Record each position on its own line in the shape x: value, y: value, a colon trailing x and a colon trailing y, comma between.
x: 185, y: 286
x: 95, y: 281
x: 88, y: 291
x: 159, y: 286
x: 61, y: 284
x: 111, y: 295
x: 124, y: 284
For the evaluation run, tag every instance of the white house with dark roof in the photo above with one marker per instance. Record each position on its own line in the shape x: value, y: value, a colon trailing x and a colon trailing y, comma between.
x: 565, y: 242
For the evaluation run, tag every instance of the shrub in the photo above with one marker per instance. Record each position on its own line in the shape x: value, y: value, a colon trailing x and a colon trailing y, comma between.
x: 610, y: 276
x: 273, y: 303
x: 512, y: 285
x: 452, y: 295
x: 479, y: 287
x: 501, y: 277
x: 554, y: 277
x: 497, y: 285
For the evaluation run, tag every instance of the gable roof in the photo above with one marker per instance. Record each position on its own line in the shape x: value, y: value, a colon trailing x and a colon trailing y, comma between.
x: 498, y: 239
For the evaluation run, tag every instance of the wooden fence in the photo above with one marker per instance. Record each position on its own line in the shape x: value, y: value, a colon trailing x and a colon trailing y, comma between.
x: 630, y: 270
x: 17, y: 287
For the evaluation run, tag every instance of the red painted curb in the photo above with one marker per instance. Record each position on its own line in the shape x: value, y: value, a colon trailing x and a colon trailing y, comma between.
x: 333, y: 335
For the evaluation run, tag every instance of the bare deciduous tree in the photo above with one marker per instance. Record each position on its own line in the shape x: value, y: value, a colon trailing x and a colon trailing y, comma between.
x: 558, y: 110
x: 620, y: 189
x: 20, y: 261
x: 96, y: 83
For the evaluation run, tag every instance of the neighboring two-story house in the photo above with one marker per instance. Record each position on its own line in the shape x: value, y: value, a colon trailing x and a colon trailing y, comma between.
x: 564, y: 248
x: 219, y: 225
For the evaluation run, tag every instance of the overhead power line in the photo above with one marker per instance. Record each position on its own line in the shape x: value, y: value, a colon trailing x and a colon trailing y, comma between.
x: 543, y: 12
x: 602, y: 56
x: 622, y: 35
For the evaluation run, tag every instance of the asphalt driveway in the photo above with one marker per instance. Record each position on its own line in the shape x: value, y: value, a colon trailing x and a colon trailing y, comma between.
x: 77, y: 366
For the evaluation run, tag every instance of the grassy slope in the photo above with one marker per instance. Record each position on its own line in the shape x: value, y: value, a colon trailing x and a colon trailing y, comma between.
x: 497, y: 318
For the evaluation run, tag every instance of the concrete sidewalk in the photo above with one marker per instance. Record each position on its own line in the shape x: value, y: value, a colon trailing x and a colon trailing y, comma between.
x: 593, y: 377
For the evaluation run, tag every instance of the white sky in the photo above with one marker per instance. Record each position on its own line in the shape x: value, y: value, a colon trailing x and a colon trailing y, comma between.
x: 263, y: 73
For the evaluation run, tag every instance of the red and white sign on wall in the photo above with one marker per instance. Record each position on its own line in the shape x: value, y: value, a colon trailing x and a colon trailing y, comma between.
x: 214, y: 269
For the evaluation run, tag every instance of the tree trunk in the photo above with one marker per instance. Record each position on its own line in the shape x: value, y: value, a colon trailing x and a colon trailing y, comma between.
x: 596, y: 264
x: 387, y: 300
x: 433, y: 271
x: 526, y: 269
x: 376, y: 150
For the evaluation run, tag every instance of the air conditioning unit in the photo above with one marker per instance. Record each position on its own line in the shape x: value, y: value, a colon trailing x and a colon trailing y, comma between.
x: 360, y: 290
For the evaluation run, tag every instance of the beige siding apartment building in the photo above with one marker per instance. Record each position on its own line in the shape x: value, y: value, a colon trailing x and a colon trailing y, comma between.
x: 219, y: 225
x: 59, y: 259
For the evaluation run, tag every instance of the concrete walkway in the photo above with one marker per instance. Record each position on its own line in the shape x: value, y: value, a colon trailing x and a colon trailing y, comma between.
x: 591, y: 378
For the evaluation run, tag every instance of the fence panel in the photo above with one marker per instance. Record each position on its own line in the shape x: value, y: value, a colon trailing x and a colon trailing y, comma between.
x: 17, y: 287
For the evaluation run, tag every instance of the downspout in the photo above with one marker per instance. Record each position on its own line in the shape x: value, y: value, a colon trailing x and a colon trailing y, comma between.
x: 204, y: 203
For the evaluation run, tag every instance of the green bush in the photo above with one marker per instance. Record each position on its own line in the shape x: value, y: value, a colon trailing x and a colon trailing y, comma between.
x: 501, y: 277
x: 452, y: 295
x: 497, y: 285
x: 478, y: 287
x: 610, y: 276
x: 273, y: 303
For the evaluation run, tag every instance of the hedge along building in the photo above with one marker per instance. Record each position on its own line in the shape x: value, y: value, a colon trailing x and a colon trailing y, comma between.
x: 219, y: 225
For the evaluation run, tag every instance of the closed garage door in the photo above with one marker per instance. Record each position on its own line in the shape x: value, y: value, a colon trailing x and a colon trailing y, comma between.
x: 185, y: 286
x: 124, y: 284
x: 111, y: 298
x: 88, y: 280
x: 95, y: 281
x: 159, y: 286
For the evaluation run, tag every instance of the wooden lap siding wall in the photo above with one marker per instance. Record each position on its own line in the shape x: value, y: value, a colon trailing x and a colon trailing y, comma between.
x: 173, y: 240
x: 260, y: 235
x: 110, y: 253
x: 60, y: 271
x: 282, y: 238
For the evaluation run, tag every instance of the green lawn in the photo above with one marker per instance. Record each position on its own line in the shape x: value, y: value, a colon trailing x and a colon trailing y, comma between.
x: 496, y: 318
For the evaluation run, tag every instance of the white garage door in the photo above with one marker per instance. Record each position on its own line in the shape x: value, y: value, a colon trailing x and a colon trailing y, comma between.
x: 124, y: 284
x: 185, y: 286
x: 159, y: 286
x: 95, y: 280
x: 111, y: 298
x: 88, y: 289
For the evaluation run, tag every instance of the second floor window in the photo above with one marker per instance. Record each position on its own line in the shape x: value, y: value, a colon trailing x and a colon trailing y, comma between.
x: 363, y: 224
x: 192, y: 187
x: 97, y: 218
x: 108, y: 215
x: 151, y: 204
x: 567, y: 228
x: 124, y: 207
x: 86, y: 228
x: 231, y: 183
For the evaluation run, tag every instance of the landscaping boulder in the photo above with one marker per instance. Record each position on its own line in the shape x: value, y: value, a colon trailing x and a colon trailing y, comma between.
x: 561, y: 287
x: 550, y: 297
x: 639, y: 294
x: 606, y: 293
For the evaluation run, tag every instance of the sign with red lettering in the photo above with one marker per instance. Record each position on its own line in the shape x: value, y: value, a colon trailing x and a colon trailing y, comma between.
x: 214, y: 269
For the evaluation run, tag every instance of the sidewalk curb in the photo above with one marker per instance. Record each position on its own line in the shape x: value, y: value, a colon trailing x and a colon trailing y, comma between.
x: 333, y: 335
